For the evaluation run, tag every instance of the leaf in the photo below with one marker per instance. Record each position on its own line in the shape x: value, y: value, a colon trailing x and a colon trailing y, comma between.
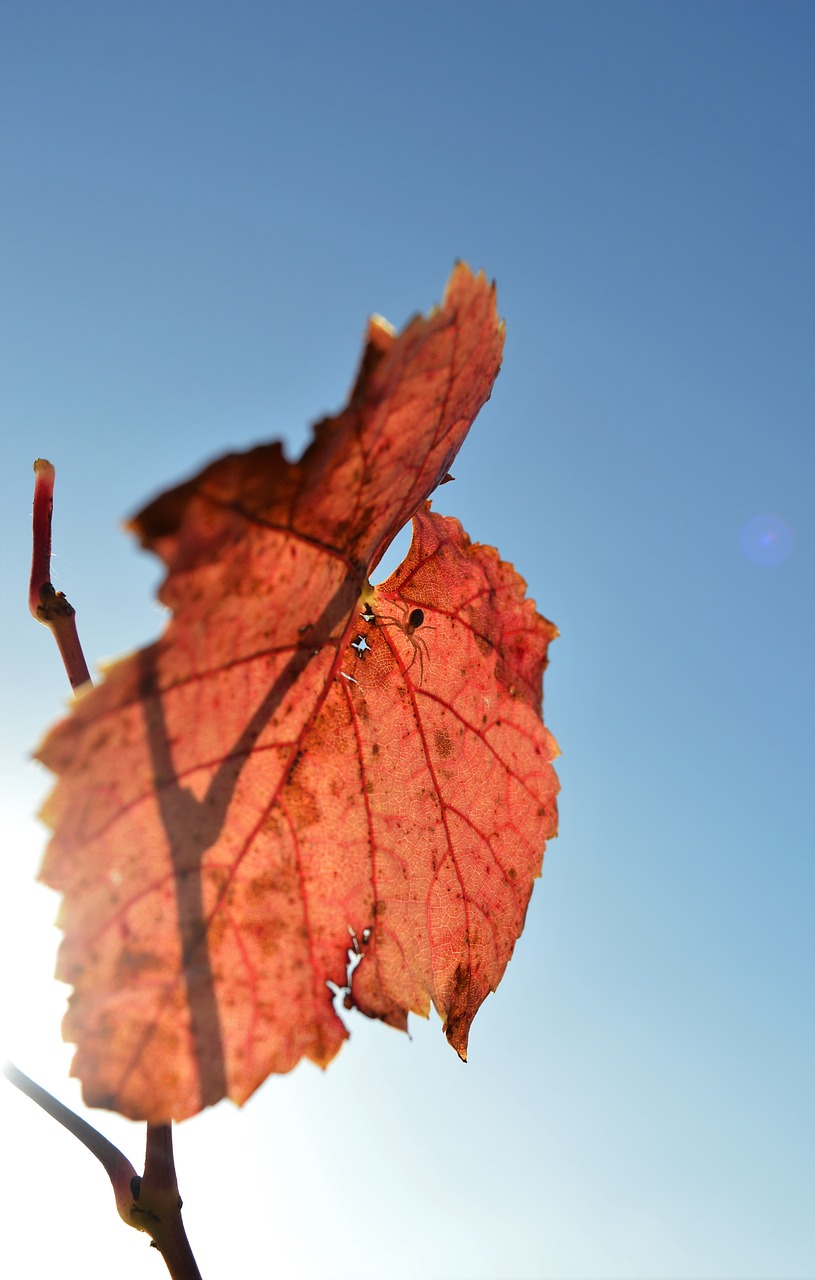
x: 296, y: 764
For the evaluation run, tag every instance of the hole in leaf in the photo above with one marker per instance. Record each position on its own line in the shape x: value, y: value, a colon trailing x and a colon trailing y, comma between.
x: 395, y: 554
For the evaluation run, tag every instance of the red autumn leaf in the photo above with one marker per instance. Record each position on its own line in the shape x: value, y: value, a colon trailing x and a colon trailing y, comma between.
x: 303, y: 759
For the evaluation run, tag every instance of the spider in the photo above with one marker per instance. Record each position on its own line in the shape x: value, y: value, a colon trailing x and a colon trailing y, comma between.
x: 409, y: 627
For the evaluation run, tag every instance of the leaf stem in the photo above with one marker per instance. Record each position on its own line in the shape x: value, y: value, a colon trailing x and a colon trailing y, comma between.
x: 159, y: 1199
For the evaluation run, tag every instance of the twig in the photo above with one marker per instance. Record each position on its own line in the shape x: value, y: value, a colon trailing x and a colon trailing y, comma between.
x: 116, y: 1166
x: 47, y: 605
x: 151, y: 1203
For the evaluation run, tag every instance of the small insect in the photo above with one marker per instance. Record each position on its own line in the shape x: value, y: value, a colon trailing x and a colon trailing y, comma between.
x: 367, y: 613
x: 409, y: 627
x: 360, y: 647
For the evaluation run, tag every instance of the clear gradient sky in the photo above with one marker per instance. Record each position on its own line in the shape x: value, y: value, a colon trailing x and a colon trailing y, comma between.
x: 201, y: 204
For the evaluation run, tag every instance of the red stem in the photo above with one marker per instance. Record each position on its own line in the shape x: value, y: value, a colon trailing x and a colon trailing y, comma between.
x: 47, y: 605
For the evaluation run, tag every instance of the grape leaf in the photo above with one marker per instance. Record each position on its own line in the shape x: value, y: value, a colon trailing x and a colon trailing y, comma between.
x: 304, y: 762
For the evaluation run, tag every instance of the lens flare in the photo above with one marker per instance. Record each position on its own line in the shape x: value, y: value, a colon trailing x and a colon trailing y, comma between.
x: 766, y: 540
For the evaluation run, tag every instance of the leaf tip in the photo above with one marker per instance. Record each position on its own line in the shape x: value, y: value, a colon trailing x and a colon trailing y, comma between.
x: 458, y: 1036
x: 381, y: 325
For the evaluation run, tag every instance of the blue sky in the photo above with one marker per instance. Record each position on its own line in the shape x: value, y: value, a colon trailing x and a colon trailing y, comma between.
x: 200, y: 207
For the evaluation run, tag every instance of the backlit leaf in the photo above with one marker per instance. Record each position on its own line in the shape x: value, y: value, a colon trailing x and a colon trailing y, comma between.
x: 303, y: 761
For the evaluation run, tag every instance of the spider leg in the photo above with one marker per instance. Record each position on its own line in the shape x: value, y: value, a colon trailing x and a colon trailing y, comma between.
x: 419, y: 647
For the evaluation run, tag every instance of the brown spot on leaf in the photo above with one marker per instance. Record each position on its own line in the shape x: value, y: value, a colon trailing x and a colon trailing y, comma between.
x: 301, y: 805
